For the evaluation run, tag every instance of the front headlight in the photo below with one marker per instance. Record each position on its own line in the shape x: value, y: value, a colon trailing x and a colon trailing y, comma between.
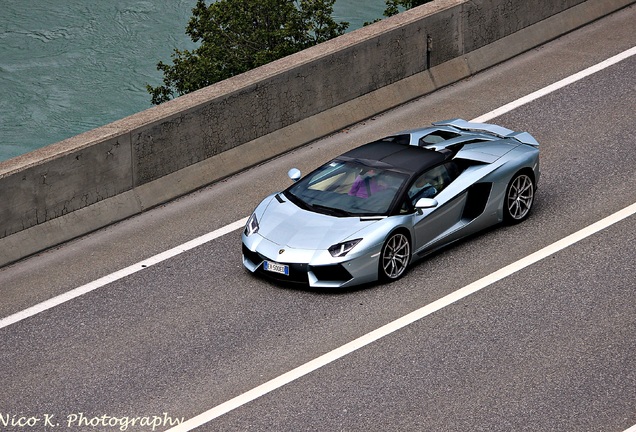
x: 341, y: 249
x: 251, y: 226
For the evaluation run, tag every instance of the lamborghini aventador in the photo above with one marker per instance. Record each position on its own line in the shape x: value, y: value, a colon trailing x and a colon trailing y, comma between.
x: 373, y: 211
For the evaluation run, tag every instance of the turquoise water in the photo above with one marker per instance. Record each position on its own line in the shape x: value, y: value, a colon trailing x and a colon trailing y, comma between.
x: 70, y: 66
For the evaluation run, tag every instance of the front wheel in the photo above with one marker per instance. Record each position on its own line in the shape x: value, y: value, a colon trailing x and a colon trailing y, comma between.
x: 519, y: 198
x: 395, y: 257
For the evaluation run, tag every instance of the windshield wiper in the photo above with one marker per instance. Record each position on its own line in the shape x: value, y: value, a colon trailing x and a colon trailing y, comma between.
x: 316, y: 207
x: 330, y: 210
x: 300, y: 203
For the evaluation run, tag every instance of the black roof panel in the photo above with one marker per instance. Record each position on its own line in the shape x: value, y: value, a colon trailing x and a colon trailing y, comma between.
x: 402, y: 157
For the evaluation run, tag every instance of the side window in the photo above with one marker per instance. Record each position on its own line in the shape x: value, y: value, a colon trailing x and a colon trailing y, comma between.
x: 433, y: 181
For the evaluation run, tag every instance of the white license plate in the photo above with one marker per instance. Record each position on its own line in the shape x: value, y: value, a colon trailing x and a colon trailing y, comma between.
x: 276, y: 268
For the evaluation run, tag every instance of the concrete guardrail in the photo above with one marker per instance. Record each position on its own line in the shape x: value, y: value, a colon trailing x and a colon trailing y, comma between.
x: 110, y: 173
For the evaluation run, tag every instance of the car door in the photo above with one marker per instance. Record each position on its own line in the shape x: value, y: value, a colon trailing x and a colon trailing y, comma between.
x: 431, y: 225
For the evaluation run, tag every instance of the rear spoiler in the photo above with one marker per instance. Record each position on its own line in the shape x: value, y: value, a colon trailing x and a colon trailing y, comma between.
x: 501, y: 132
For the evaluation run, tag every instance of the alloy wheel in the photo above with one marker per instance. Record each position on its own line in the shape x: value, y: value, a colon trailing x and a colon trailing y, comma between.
x: 395, y: 256
x: 520, y: 197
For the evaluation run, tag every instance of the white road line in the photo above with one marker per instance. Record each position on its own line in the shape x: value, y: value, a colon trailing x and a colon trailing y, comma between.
x: 417, y: 315
x: 55, y: 301
x: 380, y: 332
x: 556, y: 86
x: 91, y: 286
x: 631, y: 429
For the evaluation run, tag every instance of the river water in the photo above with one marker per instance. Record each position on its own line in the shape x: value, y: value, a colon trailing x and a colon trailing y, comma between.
x: 71, y: 66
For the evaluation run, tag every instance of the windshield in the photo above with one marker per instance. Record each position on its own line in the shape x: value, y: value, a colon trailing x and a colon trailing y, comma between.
x: 343, y: 188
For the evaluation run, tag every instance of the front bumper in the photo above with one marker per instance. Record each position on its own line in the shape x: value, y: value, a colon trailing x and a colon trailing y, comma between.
x: 314, y: 268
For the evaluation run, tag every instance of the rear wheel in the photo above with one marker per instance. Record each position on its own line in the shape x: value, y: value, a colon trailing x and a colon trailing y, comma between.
x: 395, y: 257
x: 519, y: 198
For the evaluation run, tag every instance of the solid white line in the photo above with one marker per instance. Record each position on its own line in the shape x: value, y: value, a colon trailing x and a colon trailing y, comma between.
x: 374, y: 335
x: 631, y: 429
x: 445, y: 301
x: 417, y: 315
x: 91, y: 286
x: 556, y: 86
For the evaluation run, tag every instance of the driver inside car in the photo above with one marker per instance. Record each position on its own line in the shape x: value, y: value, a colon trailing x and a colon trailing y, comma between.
x: 366, y: 185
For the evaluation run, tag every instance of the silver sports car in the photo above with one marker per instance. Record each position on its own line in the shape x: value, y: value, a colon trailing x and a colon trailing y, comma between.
x: 371, y: 212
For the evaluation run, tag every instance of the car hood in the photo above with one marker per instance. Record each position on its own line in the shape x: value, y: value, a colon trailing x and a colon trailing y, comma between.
x: 288, y: 225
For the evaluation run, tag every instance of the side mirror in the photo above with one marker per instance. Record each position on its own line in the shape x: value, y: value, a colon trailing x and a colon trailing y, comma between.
x: 425, y: 203
x: 294, y: 174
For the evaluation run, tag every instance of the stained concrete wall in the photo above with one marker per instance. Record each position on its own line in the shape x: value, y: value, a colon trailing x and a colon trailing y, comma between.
x: 110, y: 173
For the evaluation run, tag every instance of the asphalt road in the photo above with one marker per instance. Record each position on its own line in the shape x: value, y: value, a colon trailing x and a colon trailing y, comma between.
x: 549, y: 348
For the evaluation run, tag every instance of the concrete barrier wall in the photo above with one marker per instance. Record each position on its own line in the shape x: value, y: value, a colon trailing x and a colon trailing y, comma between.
x: 81, y: 184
